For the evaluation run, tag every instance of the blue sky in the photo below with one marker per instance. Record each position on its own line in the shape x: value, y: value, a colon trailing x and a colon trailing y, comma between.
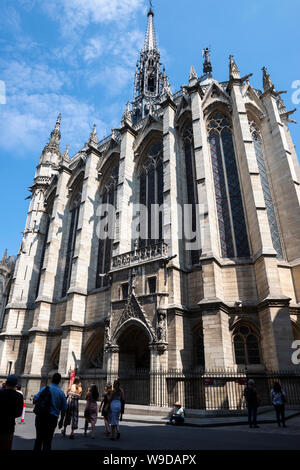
x: 78, y: 57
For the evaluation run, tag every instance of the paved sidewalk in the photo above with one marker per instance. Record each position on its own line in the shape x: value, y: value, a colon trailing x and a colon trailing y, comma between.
x: 266, y: 417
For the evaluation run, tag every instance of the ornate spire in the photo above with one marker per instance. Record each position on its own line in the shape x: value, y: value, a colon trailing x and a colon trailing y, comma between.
x: 234, y: 72
x: 149, y: 80
x: 150, y: 39
x: 93, y: 137
x: 267, y: 82
x: 207, y: 67
x: 53, y: 144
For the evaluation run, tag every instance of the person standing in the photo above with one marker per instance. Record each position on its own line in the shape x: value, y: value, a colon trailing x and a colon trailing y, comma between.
x: 251, y: 397
x: 104, y: 407
x: 278, y: 398
x: 11, y: 407
x: 49, y: 401
x: 72, y: 414
x: 91, y: 409
x: 116, y: 408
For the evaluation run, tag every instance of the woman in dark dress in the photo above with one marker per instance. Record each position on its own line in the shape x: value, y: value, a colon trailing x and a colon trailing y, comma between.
x: 104, y: 406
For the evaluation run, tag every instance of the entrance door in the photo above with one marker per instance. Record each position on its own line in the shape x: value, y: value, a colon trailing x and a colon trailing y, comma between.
x: 134, y: 365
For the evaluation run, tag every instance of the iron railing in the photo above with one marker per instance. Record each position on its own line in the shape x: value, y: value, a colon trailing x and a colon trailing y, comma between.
x: 213, y: 390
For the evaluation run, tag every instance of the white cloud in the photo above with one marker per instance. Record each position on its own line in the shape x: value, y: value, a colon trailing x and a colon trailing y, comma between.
x: 79, y: 13
x: 29, y: 119
x: 19, y: 75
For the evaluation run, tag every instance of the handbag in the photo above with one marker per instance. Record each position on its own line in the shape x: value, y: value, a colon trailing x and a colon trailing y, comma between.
x: 86, y: 413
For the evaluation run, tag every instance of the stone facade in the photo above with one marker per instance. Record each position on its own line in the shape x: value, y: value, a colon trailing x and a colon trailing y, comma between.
x: 102, y: 307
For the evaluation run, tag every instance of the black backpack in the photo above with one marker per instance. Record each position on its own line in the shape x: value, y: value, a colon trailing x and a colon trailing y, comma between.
x: 43, y: 403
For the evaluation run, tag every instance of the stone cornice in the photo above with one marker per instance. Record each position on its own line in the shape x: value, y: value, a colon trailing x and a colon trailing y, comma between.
x: 12, y: 336
x: 196, y: 88
x: 72, y: 326
x: 127, y: 127
x: 281, y: 301
x: 38, y: 331
x: 168, y: 101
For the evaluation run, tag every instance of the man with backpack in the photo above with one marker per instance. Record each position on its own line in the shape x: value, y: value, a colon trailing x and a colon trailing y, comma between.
x: 49, y: 402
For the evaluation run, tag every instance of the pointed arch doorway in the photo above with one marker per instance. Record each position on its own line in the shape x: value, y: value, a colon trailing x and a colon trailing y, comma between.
x: 134, y: 364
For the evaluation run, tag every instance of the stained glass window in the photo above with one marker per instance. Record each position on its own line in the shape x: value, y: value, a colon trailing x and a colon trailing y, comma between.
x: 188, y: 140
x: 151, y: 192
x: 246, y: 346
x: 108, y: 198
x: 74, y: 213
x: 257, y: 142
x: 230, y: 210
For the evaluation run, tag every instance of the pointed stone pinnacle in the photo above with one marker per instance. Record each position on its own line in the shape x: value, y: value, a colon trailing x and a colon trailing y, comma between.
x: 93, y: 137
x: 66, y: 156
x: 58, y: 121
x: 233, y: 68
x: 193, y: 74
x: 127, y: 115
x: 267, y: 82
x: 4, y: 256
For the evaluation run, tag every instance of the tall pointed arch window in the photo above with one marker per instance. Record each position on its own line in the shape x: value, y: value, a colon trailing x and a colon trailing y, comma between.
x: 192, y: 196
x: 258, y: 147
x: 74, y: 215
x: 246, y: 345
x: 151, y: 195
x: 46, y: 223
x: 108, y: 198
x: 230, y: 210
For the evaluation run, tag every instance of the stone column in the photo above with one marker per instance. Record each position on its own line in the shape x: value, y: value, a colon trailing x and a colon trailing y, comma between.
x: 39, y: 348
x: 112, y: 362
x: 171, y: 216
x: 205, y: 182
x: 71, y: 349
x: 217, y: 338
x: 283, y: 176
x: 254, y: 203
x: 123, y: 239
x: 276, y: 334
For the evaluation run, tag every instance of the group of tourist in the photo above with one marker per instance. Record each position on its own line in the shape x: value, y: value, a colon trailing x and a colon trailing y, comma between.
x: 51, y: 401
x: 111, y: 407
x: 278, y: 398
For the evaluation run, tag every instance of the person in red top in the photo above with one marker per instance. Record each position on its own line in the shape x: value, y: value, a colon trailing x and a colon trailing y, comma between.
x: 11, y: 407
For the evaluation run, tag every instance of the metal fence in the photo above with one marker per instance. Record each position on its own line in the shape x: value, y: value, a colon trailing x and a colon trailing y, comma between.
x: 215, y: 390
x: 205, y: 390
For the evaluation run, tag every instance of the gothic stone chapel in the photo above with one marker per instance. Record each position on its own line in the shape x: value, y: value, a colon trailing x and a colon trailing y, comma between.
x: 131, y: 306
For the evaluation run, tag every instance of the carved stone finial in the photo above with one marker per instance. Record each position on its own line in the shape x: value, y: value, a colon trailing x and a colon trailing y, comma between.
x: 234, y: 72
x: 4, y: 256
x: 93, y: 140
x: 66, y: 156
x: 207, y: 67
x: 193, y: 74
x: 267, y: 82
x: 127, y: 118
x: 166, y: 87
